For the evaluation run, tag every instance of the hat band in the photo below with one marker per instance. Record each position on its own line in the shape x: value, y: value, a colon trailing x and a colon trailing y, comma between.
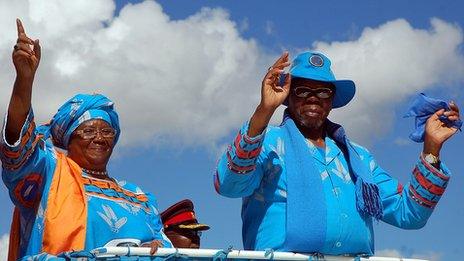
x: 182, y: 217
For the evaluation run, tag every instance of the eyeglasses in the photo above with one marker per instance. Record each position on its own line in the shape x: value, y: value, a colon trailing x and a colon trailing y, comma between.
x: 190, y: 233
x: 90, y: 133
x: 305, y: 92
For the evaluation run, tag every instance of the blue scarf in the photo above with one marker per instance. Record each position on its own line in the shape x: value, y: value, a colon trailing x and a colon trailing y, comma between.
x: 306, y: 206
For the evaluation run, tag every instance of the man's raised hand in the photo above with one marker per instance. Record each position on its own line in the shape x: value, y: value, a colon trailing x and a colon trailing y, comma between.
x: 273, y: 92
x: 437, y: 132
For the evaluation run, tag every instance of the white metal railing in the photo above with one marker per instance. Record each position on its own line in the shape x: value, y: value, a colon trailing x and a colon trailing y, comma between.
x: 230, y: 254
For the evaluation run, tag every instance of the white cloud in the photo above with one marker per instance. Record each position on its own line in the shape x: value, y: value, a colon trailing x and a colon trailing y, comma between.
x: 430, y: 256
x: 189, y: 81
x: 389, y: 64
x: 4, y: 239
x: 402, y: 141
x: 269, y: 28
x: 244, y: 25
x: 388, y: 253
x: 193, y: 81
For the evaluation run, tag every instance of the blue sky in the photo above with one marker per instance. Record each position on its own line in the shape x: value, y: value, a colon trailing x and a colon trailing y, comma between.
x: 171, y: 146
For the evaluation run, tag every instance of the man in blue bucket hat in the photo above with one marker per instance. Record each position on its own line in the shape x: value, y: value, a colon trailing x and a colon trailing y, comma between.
x: 305, y: 186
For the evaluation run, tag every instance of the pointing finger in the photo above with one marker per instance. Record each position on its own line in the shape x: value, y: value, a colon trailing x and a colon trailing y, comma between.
x: 20, y: 27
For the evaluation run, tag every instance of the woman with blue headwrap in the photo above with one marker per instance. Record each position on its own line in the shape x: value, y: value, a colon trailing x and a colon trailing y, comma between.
x: 66, y: 201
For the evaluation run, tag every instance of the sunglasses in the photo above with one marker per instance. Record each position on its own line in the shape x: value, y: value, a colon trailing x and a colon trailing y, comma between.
x: 91, y: 133
x: 305, y: 92
x: 190, y: 233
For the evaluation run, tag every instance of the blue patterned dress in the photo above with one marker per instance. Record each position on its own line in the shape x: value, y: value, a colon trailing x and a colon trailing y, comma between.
x: 116, y: 210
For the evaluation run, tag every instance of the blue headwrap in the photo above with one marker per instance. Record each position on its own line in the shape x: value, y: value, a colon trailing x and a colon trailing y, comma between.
x: 80, y: 108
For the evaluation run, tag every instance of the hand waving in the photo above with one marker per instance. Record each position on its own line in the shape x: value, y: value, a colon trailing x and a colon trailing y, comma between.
x: 26, y: 54
x: 437, y: 132
x: 272, y: 93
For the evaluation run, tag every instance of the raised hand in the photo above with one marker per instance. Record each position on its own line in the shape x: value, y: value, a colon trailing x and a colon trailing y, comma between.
x: 26, y: 54
x: 273, y: 93
x: 26, y: 58
x: 437, y: 132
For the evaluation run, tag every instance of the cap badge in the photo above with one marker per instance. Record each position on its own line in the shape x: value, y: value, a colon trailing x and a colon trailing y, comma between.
x: 316, y: 60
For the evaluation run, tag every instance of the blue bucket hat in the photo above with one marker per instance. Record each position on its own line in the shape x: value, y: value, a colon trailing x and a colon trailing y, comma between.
x: 316, y: 66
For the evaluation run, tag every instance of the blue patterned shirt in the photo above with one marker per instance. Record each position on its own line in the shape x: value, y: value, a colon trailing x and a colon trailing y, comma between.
x: 254, y: 168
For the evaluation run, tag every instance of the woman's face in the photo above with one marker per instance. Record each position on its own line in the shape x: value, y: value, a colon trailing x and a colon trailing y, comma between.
x: 91, y: 144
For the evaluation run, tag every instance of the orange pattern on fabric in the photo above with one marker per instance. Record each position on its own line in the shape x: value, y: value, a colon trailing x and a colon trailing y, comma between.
x: 34, y: 180
x: 65, y: 218
x: 13, y: 246
x: 111, y: 185
x: 17, y: 154
x: 101, y: 195
x: 22, y: 143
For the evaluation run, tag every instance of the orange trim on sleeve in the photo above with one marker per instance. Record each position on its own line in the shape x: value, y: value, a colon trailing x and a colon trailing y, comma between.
x: 24, y: 139
x: 65, y: 220
x: 25, y: 158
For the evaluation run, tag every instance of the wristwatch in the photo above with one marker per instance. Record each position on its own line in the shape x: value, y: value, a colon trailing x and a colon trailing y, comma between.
x: 432, y: 159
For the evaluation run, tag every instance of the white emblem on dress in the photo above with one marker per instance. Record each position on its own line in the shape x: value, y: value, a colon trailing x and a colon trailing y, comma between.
x: 151, y: 229
x: 40, y: 211
x: 134, y: 210
x: 110, y: 218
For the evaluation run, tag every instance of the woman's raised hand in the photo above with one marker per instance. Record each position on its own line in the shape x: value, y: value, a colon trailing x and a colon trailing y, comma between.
x: 26, y: 54
x: 26, y: 58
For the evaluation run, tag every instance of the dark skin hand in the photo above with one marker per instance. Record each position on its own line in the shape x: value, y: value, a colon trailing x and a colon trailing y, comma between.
x: 153, y: 245
x: 436, y: 132
x: 26, y: 58
x: 272, y: 95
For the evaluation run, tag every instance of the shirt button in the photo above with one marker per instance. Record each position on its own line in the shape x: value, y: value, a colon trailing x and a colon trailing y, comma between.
x: 345, y: 216
x: 338, y: 244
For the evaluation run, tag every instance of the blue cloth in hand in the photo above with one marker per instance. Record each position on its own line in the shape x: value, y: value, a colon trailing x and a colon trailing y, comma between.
x: 422, y: 108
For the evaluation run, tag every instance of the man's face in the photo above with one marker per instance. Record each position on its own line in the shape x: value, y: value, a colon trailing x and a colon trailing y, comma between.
x: 184, y: 238
x: 91, y: 153
x: 305, y: 107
